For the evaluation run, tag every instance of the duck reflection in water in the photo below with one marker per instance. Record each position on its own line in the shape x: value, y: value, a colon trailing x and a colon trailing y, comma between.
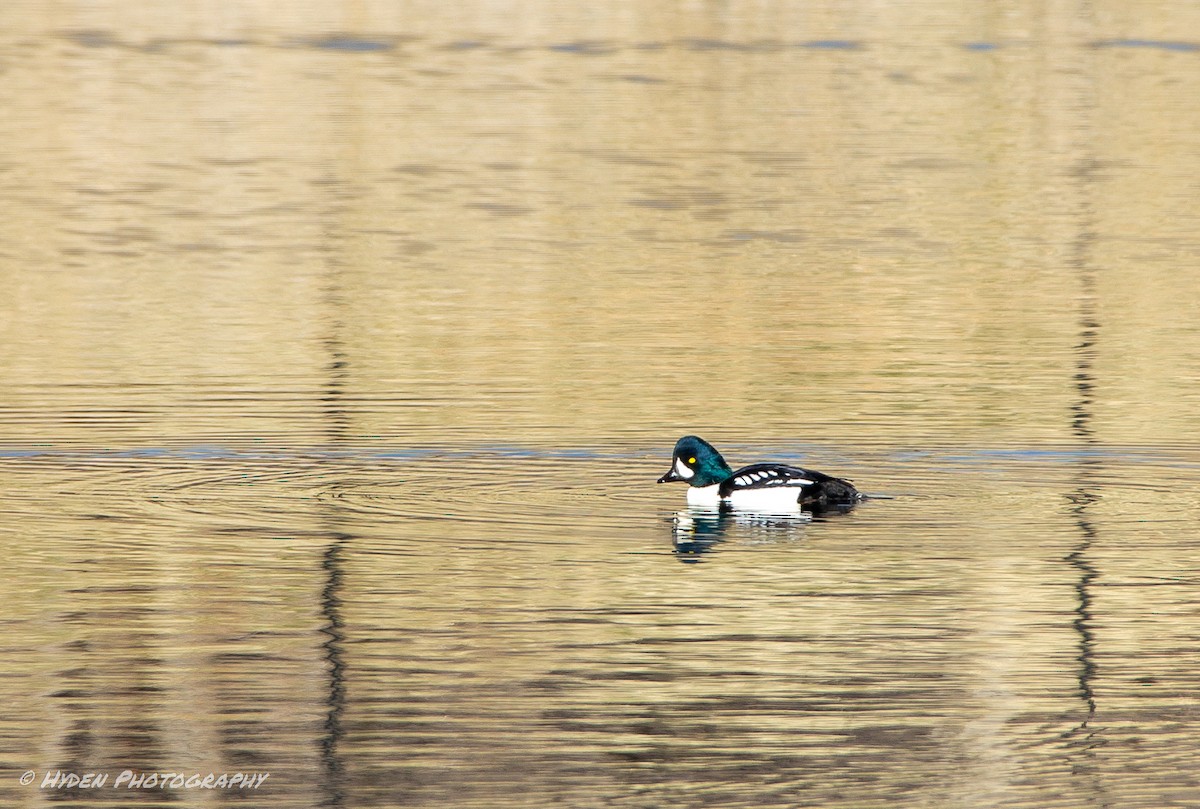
x: 697, y: 529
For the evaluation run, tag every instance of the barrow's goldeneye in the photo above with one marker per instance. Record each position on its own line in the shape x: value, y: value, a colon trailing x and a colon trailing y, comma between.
x: 769, y: 487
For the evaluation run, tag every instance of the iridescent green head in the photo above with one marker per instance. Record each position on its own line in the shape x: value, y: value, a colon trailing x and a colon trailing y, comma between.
x: 696, y: 462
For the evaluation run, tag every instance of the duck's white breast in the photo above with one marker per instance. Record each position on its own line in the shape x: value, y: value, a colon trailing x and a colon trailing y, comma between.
x: 704, y: 496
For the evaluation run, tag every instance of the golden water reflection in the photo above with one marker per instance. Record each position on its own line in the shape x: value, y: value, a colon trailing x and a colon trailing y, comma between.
x: 343, y: 343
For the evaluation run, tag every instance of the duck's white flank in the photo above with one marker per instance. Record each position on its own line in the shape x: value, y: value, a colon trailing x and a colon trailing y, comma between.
x: 776, y: 499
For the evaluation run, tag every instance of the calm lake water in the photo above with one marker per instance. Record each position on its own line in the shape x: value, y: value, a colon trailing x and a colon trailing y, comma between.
x: 343, y: 344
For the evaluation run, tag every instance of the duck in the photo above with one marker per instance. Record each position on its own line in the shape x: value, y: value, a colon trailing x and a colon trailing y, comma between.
x: 764, y: 487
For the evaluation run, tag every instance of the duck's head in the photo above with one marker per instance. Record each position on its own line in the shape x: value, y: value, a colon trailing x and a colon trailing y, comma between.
x: 696, y: 462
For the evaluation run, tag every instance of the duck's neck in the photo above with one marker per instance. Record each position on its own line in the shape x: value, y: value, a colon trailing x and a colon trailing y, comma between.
x: 712, y: 472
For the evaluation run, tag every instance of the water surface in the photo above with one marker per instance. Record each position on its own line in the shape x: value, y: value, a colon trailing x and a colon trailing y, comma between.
x: 344, y: 345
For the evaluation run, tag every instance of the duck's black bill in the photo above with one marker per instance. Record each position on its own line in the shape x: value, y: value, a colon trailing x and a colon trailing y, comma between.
x: 670, y: 477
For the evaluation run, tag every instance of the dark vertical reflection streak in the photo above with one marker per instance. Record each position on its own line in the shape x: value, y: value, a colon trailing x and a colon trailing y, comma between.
x: 1086, y: 490
x: 334, y: 633
x: 336, y: 427
x: 1084, y: 737
x: 78, y: 741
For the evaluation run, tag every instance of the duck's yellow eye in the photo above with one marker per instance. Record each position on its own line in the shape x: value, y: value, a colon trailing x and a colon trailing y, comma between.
x: 691, y: 460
